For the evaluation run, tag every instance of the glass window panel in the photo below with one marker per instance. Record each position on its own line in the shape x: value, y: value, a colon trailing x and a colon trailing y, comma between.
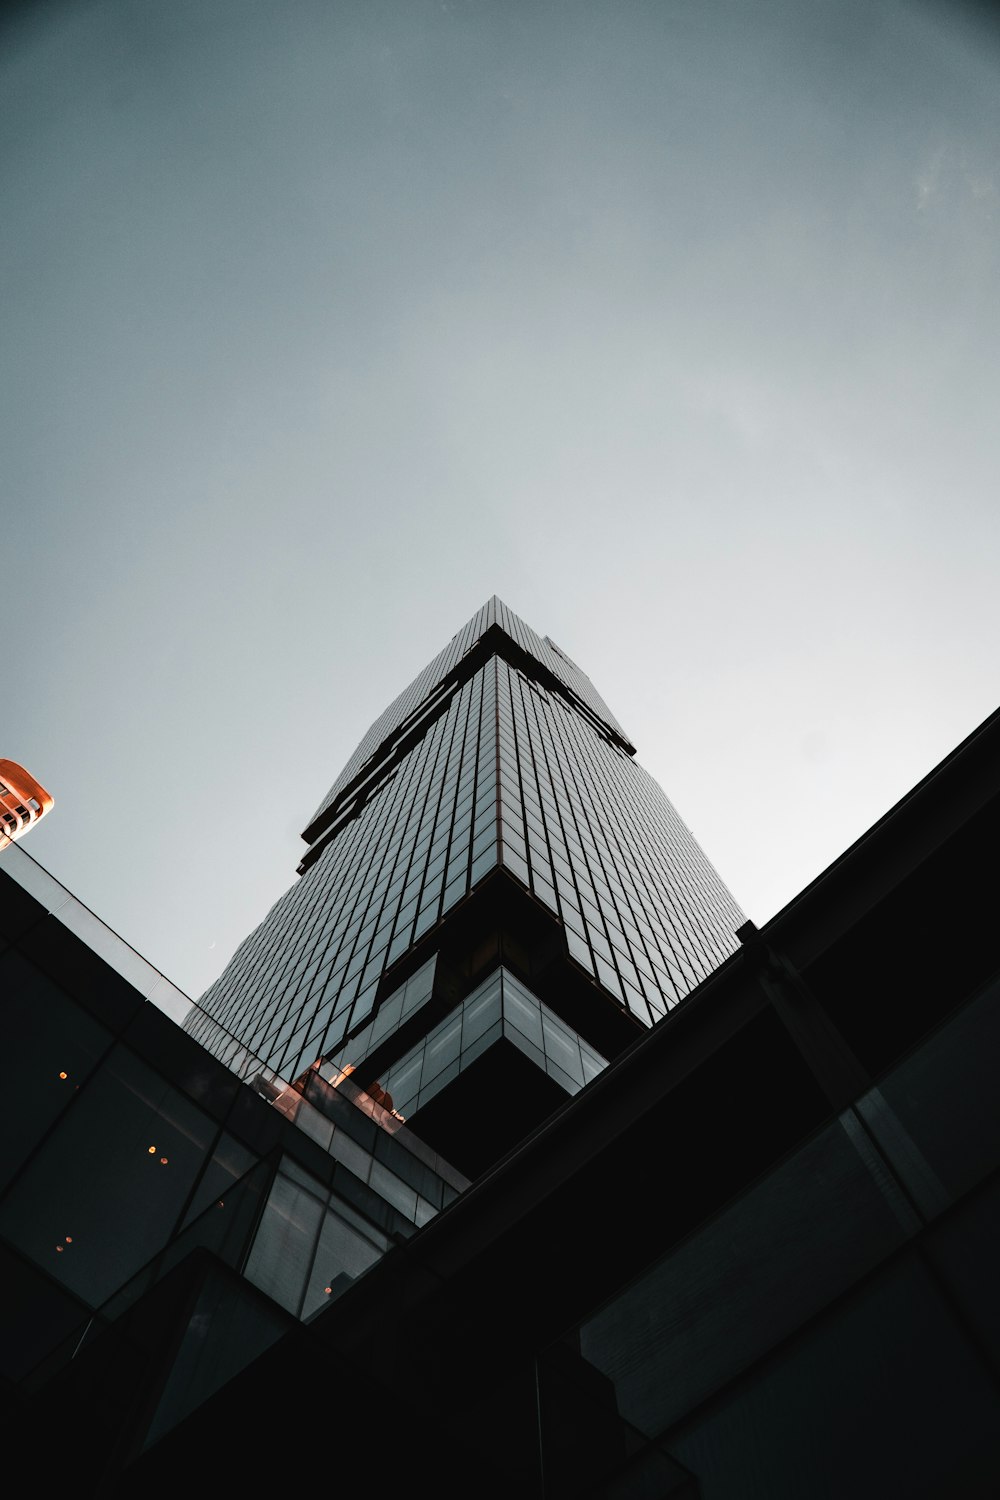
x: 484, y: 863
x: 394, y: 1190
x: 443, y: 1047
x: 229, y: 1161
x: 561, y: 1049
x: 484, y: 841
x: 522, y: 1012
x: 404, y: 1081
x: 480, y: 1011
x: 112, y: 1177
x: 399, y: 946
x: 515, y: 863
x: 609, y: 978
x: 579, y: 949
x: 341, y: 1256
x: 285, y: 1243
x: 54, y: 1044
x: 419, y: 986
x: 313, y: 1123
x: 353, y: 1156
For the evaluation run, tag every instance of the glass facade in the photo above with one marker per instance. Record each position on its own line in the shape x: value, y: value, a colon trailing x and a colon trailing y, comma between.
x: 744, y: 1261
x: 500, y: 754
x: 598, y: 842
x: 127, y: 1147
x: 499, y: 1008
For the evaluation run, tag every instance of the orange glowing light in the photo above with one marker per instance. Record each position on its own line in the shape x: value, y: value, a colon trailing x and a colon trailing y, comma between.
x: 63, y: 1075
x: 379, y: 1094
x: 69, y: 1239
x: 152, y: 1150
x: 22, y: 802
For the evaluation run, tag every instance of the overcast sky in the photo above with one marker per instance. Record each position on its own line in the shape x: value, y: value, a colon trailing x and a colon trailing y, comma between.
x: 673, y: 322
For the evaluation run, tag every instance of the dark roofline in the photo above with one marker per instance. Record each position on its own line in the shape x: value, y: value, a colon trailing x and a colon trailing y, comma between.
x: 493, y: 642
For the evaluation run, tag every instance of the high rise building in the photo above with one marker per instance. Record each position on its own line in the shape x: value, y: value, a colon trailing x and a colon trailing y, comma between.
x: 494, y: 890
x: 755, y: 1259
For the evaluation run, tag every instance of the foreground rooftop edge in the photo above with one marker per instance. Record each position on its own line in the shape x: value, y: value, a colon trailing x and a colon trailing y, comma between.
x: 747, y: 1250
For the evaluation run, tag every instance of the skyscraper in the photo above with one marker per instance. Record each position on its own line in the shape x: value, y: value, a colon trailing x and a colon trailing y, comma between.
x: 755, y: 1258
x: 491, y: 863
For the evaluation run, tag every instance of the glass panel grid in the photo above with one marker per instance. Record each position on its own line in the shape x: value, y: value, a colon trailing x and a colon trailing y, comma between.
x: 511, y: 770
x: 500, y: 1006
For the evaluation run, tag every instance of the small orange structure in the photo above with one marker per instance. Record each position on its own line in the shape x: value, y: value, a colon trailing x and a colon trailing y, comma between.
x: 22, y: 802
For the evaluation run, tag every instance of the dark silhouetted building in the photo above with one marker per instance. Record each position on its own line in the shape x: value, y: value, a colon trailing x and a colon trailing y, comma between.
x: 419, y: 1197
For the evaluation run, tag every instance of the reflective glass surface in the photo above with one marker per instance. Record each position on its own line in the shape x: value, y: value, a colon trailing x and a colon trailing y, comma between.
x: 410, y: 703
x: 499, y: 1007
x: 598, y: 842
x: 126, y: 1147
x: 520, y: 765
x: 309, y: 1246
x: 309, y: 973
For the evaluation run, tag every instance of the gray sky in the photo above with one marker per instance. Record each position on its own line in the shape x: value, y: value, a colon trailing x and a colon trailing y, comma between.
x: 675, y: 324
